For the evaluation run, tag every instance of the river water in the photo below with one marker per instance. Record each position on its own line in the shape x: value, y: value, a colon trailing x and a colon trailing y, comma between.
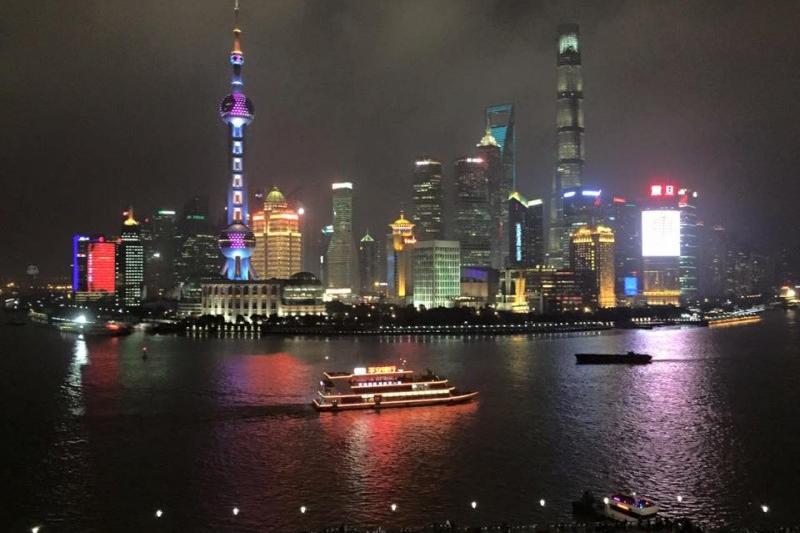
x: 96, y: 439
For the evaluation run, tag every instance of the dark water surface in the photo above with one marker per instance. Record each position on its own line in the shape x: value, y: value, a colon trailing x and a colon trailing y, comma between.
x: 96, y: 439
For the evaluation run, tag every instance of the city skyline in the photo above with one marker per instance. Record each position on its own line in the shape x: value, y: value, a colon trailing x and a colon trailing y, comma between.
x: 725, y: 164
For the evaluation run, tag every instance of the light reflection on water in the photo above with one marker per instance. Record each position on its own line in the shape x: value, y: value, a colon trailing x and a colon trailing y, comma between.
x: 205, y: 424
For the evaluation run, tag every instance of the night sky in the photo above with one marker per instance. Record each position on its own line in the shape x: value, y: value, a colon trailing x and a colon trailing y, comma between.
x: 113, y: 102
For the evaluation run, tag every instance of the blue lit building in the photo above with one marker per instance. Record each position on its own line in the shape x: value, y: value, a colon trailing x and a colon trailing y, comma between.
x: 581, y: 206
x: 237, y: 240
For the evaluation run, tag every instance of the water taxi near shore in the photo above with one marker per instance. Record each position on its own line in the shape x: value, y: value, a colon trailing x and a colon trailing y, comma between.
x: 378, y: 387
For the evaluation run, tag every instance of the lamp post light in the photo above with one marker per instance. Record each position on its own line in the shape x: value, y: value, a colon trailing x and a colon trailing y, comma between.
x: 764, y: 508
x: 541, y: 502
x: 473, y: 504
x: 35, y: 529
x: 393, y: 507
x: 235, y: 511
x: 159, y: 513
x: 303, y: 509
x: 606, y: 501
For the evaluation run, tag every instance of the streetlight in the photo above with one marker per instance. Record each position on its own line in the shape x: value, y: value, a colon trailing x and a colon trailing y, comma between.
x: 303, y: 509
x: 235, y: 511
x: 541, y: 502
x: 159, y: 513
x: 393, y: 507
x: 35, y: 529
x: 473, y: 504
x: 606, y: 500
x: 764, y: 508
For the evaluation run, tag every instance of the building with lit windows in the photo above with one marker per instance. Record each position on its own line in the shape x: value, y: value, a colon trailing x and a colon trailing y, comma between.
x: 428, y: 199
x: 237, y: 241
x: 94, y: 269
x: 436, y: 273
x: 369, y: 264
x: 242, y: 301
x: 580, y: 206
x: 258, y: 223
x: 303, y: 294
x: 687, y: 205
x: 624, y: 217
x: 526, y: 228
x: 160, y: 236
x: 473, y: 220
x: 284, y: 242
x: 540, y: 289
x: 130, y: 264
x: 661, y: 246
x: 341, y: 250
x: 400, y: 247
x: 569, y: 131
x: 592, y: 260
x: 498, y: 150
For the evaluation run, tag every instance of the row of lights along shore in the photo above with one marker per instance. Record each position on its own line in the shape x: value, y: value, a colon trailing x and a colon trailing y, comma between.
x: 393, y: 507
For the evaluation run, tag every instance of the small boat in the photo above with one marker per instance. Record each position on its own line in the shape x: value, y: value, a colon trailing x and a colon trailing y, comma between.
x: 377, y: 387
x: 619, y: 507
x: 630, y: 358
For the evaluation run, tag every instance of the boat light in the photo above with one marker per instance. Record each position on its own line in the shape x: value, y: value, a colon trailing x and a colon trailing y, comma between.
x: 606, y: 500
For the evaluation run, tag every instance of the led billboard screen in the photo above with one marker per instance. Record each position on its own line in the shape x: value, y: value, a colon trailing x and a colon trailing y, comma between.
x: 661, y: 233
x: 631, y: 286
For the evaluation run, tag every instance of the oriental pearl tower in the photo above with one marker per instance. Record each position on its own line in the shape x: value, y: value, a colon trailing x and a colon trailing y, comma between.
x: 237, y: 241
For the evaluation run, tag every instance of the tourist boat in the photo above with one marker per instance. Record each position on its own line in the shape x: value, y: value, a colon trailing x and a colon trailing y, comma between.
x: 619, y: 507
x: 378, y: 387
x: 630, y: 358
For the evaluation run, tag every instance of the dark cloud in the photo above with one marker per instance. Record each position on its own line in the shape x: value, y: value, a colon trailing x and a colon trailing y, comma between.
x: 111, y: 102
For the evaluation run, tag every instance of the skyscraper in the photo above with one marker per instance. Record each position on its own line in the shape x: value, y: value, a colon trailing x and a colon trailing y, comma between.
x: 341, y: 250
x: 581, y: 206
x: 130, y: 264
x: 473, y: 221
x: 258, y: 261
x: 93, y: 267
x: 569, y: 128
x: 526, y: 228
x: 428, y: 199
x: 237, y: 241
x: 399, y: 258
x: 284, y: 243
x: 687, y: 205
x: 436, y: 273
x: 368, y: 263
x: 592, y: 259
x: 499, y: 138
x: 624, y: 217
x: 160, y: 236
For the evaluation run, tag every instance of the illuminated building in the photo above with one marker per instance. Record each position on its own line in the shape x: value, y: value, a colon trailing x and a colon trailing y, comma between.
x: 436, y: 273
x: 369, y: 261
x: 661, y: 250
x: 499, y: 145
x: 258, y: 223
x: 237, y: 241
x: 130, y: 264
x: 160, y: 236
x: 569, y: 128
x: 341, y: 250
x: 93, y: 268
x: 473, y: 222
x: 242, y: 299
x: 323, y: 241
x: 479, y: 286
x: 540, y: 289
x: 580, y: 206
x: 687, y: 205
x: 624, y: 217
x: 526, y: 227
x: 428, y: 199
x: 399, y: 258
x: 303, y: 295
x: 283, y: 238
x: 592, y: 259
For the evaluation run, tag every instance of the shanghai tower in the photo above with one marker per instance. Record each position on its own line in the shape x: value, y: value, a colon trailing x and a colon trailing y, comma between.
x: 569, y: 127
x: 237, y: 240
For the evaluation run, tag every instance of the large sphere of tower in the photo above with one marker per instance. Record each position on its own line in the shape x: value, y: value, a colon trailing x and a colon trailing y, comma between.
x: 237, y: 241
x: 237, y: 109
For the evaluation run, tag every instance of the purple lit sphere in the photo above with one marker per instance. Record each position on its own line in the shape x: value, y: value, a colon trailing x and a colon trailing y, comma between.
x: 237, y: 105
x: 237, y: 240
